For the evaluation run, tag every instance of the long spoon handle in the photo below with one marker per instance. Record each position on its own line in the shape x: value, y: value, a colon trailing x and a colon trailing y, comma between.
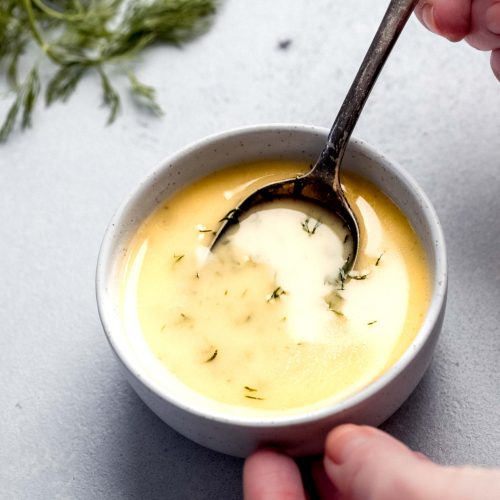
x: 389, y: 30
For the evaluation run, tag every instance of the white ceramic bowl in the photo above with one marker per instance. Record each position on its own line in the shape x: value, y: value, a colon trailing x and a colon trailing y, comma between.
x: 212, y: 424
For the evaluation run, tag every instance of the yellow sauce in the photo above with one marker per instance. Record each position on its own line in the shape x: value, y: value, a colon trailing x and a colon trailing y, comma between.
x: 261, y: 324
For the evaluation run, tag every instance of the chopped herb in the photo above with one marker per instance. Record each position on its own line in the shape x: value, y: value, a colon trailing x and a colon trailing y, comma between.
x: 178, y: 258
x: 342, y: 277
x: 283, y: 318
x: 276, y: 294
x: 358, y: 277
x: 233, y: 216
x: 248, y: 318
x: 253, y: 397
x: 184, y: 316
x: 306, y: 226
x: 337, y: 312
x: 378, y: 260
x: 244, y: 292
x: 212, y: 357
x: 197, y: 276
x: 251, y: 389
x: 372, y: 323
x: 226, y: 292
x: 206, y: 231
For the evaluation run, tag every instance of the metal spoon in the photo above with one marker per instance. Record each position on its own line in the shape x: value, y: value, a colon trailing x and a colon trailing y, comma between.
x: 321, y: 185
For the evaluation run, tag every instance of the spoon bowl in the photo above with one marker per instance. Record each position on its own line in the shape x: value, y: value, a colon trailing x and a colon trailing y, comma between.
x: 322, y: 184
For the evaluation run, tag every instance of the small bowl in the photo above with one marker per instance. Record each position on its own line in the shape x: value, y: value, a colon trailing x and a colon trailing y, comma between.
x: 214, y: 425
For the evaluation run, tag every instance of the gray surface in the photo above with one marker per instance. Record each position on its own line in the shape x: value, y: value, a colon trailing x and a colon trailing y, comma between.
x: 71, y: 427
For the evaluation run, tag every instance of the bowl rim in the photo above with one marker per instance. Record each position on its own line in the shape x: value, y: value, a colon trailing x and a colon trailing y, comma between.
x: 106, y: 261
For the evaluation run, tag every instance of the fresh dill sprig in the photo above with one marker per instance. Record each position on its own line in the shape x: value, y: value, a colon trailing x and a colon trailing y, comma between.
x: 145, y: 95
x: 23, y: 104
x: 82, y: 35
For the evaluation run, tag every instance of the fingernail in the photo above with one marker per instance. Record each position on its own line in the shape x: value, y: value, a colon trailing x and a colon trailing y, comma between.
x: 346, y: 440
x: 493, y: 18
x: 428, y: 17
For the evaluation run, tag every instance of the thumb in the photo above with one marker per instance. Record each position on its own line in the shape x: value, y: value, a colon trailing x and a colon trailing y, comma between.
x: 364, y: 462
x: 449, y: 18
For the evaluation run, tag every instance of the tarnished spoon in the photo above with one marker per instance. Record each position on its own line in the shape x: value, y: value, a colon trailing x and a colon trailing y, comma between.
x: 321, y: 185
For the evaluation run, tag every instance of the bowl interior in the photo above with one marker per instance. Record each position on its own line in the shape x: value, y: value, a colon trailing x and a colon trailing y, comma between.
x: 251, y: 144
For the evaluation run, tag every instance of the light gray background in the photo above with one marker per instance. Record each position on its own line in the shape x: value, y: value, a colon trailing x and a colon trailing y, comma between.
x: 70, y: 426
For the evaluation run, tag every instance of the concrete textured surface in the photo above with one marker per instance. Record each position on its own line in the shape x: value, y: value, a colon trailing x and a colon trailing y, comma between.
x: 71, y: 427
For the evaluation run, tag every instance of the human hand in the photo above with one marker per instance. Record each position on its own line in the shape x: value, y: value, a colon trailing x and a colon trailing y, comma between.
x: 478, y: 21
x: 364, y: 463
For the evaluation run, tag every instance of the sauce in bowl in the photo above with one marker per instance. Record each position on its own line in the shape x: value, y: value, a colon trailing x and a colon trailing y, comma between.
x: 271, y: 321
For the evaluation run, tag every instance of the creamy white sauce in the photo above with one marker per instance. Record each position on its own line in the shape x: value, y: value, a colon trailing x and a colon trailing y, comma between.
x: 266, y: 324
x: 305, y: 253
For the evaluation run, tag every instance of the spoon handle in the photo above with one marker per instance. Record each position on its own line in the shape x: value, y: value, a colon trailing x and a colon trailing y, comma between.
x: 389, y: 30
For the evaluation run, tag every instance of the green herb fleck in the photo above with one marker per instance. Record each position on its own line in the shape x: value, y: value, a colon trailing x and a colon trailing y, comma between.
x: 253, y: 397
x: 378, y: 260
x: 178, y: 258
x: 251, y: 389
x: 306, y: 226
x: 233, y: 216
x: 358, y: 277
x: 213, y: 356
x: 342, y: 276
x: 276, y: 294
x: 336, y: 311
x: 372, y: 323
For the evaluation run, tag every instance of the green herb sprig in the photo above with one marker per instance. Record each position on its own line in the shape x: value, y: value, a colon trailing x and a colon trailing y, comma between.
x: 80, y: 36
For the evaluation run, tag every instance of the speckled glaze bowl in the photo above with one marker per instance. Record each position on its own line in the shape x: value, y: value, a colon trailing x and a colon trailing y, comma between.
x: 215, y: 425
